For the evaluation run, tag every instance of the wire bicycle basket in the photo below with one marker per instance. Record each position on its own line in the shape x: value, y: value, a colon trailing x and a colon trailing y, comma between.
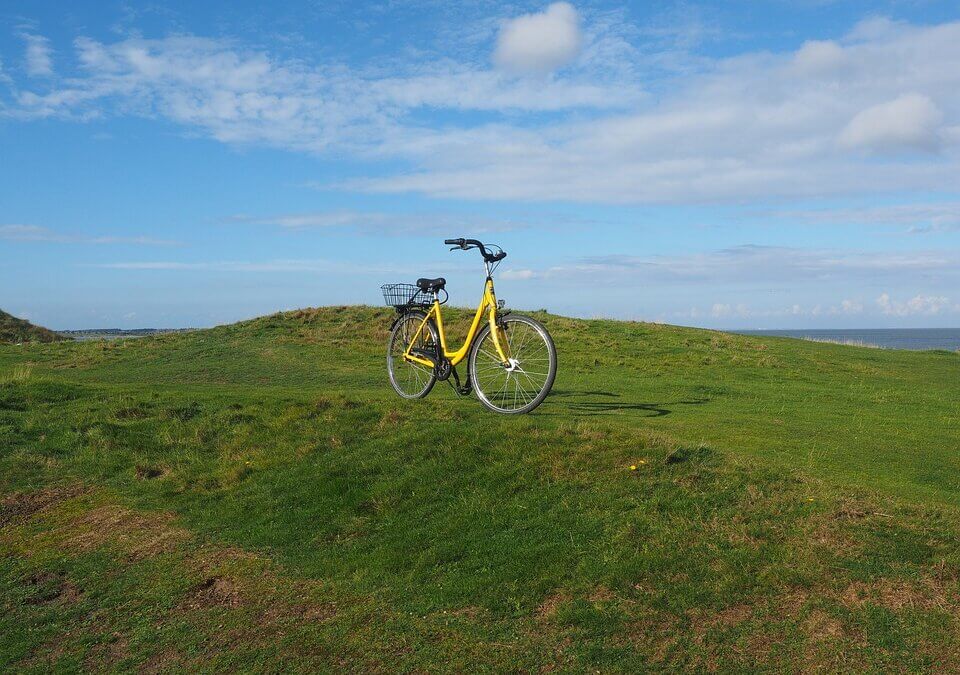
x: 405, y: 295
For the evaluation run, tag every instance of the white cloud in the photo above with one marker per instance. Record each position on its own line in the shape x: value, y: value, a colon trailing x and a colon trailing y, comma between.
x: 909, y: 122
x: 35, y: 233
x: 817, y: 57
x: 915, y: 218
x: 540, y: 43
x: 390, y: 224
x: 17, y: 232
x: 919, y: 305
x: 769, y: 266
x: 39, y: 57
x: 242, y: 96
x: 757, y: 125
x: 518, y: 274
x: 850, y: 307
x: 281, y: 266
x: 726, y: 310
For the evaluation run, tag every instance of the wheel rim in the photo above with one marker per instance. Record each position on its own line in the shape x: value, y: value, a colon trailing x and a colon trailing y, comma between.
x: 408, y: 378
x: 513, y: 388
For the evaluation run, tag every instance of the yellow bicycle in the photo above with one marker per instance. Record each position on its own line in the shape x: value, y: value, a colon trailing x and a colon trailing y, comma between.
x: 511, y: 360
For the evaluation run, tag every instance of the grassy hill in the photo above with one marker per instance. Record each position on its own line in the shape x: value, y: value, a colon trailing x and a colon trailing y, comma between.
x: 17, y: 330
x: 255, y: 496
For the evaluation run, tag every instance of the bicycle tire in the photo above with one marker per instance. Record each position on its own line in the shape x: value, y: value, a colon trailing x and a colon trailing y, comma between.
x: 419, y: 379
x: 486, y: 377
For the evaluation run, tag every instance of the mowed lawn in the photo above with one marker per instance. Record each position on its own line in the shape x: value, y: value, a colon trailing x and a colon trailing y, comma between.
x: 256, y: 497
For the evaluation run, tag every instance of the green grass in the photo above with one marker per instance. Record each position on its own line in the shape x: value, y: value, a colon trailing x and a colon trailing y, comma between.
x: 256, y: 497
x: 17, y: 330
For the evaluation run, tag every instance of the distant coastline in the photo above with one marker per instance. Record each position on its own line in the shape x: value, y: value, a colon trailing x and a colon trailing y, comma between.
x: 916, y: 339
x: 116, y: 333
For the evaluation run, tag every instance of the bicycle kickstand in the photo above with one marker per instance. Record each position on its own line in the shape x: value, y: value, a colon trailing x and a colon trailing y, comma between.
x: 461, y: 390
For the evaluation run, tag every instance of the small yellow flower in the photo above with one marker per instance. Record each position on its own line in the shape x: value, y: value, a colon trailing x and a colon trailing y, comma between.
x: 633, y: 467
x: 809, y: 499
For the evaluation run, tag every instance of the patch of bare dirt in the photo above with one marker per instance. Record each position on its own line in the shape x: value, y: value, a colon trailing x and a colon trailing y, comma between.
x: 150, y: 472
x: 165, y: 661
x: 930, y: 593
x: 320, y: 612
x: 214, y: 592
x: 43, y: 658
x: 50, y: 587
x: 469, y: 612
x: 105, y: 655
x: 791, y: 602
x: 828, y: 642
x: 760, y: 645
x: 832, y: 536
x: 562, y: 658
x: 19, y: 506
x: 601, y: 594
x: 729, y: 617
x: 392, y: 418
x: 142, y: 535
x: 547, y: 609
x: 820, y: 627
x: 657, y: 634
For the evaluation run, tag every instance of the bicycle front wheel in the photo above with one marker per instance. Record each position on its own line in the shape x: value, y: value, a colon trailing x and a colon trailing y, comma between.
x: 521, y: 384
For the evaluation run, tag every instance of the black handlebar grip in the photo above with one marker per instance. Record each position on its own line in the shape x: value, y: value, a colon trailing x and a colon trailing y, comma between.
x: 453, y: 242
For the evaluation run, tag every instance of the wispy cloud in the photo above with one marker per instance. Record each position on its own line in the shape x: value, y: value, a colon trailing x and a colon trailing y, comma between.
x: 282, y: 266
x: 4, y: 79
x: 35, y: 233
x: 829, y: 120
x: 874, y: 112
x: 750, y: 264
x: 381, y: 223
x: 38, y: 58
x: 245, y: 96
x: 914, y: 218
x: 918, y: 305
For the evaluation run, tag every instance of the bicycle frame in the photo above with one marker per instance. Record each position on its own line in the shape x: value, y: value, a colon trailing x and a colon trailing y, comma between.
x: 488, y: 304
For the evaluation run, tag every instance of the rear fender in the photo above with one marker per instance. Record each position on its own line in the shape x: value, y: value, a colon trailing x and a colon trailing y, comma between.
x: 403, y: 314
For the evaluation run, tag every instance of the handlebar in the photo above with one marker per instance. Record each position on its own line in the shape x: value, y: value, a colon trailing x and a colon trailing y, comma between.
x: 467, y: 244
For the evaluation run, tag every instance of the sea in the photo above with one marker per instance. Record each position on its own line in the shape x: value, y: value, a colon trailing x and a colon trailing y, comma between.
x: 887, y: 338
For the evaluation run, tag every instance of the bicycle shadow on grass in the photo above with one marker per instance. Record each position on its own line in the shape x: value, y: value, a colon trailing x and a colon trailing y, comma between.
x: 581, y: 403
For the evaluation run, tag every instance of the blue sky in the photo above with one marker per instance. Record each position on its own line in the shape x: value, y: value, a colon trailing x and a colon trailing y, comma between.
x: 733, y: 165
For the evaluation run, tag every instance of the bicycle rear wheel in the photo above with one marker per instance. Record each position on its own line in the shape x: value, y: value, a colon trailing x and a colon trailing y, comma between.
x: 520, y: 385
x: 410, y: 379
